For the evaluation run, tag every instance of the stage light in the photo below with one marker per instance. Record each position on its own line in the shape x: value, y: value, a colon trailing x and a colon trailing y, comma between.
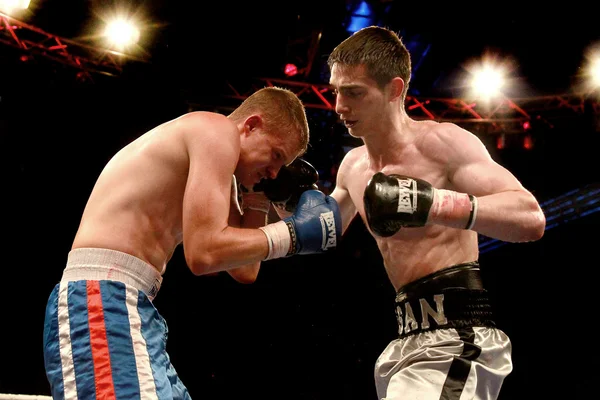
x: 594, y: 72
x: 487, y: 82
x: 13, y: 5
x: 500, y: 142
x: 290, y: 70
x: 526, y: 125
x: 121, y: 33
x: 527, y: 142
x: 590, y: 71
x: 361, y: 17
x: 487, y: 78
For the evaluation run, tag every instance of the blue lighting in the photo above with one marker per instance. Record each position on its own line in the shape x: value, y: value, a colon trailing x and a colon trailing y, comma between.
x: 361, y: 18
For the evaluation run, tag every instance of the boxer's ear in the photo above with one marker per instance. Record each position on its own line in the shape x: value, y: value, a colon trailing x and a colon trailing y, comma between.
x: 395, y: 87
x: 252, y: 123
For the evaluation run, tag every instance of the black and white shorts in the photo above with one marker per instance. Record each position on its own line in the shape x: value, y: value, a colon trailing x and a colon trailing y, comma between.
x: 449, y: 347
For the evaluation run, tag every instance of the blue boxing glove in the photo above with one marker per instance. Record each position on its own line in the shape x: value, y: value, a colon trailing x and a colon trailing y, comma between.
x: 313, y: 228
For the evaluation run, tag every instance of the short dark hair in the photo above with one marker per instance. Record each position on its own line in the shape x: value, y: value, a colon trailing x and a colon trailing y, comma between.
x: 380, y: 50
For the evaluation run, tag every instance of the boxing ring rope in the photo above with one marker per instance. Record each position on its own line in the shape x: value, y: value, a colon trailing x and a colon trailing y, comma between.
x: 8, y: 396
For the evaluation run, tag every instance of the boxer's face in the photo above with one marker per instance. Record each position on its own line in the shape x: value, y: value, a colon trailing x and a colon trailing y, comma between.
x: 360, y: 103
x: 263, y: 155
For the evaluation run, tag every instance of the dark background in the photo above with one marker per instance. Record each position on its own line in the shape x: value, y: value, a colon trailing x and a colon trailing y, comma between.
x: 311, y: 327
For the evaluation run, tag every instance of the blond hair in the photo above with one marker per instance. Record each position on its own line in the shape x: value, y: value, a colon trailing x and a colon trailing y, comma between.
x: 282, y: 111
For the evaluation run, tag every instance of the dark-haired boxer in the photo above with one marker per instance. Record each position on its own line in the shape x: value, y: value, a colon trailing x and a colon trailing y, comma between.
x: 425, y: 189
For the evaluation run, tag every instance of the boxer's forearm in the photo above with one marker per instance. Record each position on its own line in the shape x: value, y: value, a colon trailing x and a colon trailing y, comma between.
x: 512, y: 216
x: 249, y: 272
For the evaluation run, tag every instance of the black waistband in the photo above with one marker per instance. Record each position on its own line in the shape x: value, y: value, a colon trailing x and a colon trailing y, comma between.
x: 464, y: 276
x: 451, y: 298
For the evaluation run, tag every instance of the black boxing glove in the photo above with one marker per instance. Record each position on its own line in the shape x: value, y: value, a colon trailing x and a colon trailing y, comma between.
x: 395, y: 201
x: 292, y: 180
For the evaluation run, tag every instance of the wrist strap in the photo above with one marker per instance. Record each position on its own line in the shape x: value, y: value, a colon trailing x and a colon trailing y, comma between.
x: 473, y: 213
x: 279, y: 239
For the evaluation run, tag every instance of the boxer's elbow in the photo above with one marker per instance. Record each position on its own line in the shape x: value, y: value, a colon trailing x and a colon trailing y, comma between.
x: 537, y: 225
x: 533, y: 224
x: 209, y: 263
x: 203, y: 260
x: 200, y: 264
x: 246, y: 280
x: 246, y: 274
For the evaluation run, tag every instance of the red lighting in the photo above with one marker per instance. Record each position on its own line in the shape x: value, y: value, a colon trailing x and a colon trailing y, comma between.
x: 500, y: 142
x: 528, y: 142
x: 290, y: 69
x: 526, y: 125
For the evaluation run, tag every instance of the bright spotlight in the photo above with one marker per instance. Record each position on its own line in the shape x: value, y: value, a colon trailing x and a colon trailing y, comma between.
x: 488, y: 77
x: 487, y: 82
x: 14, y: 5
x: 594, y: 72
x: 589, y: 78
x: 122, y: 33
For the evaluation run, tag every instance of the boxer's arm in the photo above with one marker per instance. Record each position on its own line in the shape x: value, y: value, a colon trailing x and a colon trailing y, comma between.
x: 210, y: 244
x: 251, y: 219
x: 505, y: 209
x: 480, y: 195
x: 340, y: 192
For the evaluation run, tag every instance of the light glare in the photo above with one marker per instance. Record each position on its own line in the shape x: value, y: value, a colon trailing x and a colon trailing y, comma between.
x: 594, y: 72
x: 122, y: 33
x: 13, y: 5
x: 487, y: 82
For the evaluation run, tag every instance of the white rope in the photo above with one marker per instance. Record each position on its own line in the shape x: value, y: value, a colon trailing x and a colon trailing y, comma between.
x: 8, y: 396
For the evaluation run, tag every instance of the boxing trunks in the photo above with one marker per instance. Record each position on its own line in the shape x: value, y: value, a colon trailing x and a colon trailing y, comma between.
x: 448, y: 346
x: 103, y: 337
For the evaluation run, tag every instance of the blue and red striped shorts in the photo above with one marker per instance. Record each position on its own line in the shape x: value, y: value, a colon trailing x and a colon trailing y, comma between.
x: 103, y: 337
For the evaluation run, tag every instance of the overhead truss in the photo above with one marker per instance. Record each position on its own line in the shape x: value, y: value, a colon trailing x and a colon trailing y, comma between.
x: 36, y: 42
x: 503, y: 115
